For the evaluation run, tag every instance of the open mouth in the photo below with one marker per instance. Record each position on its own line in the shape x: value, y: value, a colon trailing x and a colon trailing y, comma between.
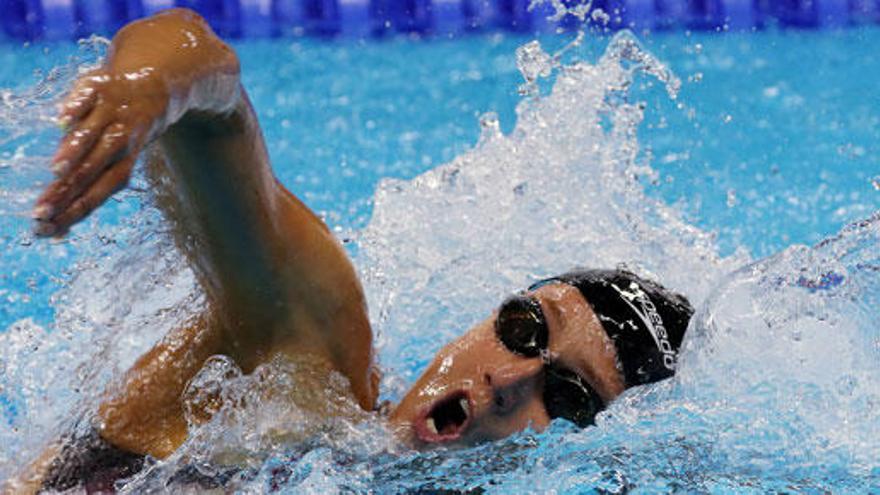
x: 446, y: 420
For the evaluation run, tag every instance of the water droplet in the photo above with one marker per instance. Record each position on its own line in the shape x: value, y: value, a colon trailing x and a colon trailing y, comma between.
x: 731, y: 198
x: 600, y: 17
x: 851, y: 151
x: 771, y: 92
x: 490, y: 126
x: 533, y: 63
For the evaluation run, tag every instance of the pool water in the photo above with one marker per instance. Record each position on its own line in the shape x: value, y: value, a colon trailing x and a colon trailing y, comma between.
x: 770, y: 146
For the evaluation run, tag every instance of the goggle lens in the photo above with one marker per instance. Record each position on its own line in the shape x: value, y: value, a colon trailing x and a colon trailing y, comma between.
x: 522, y: 329
x: 566, y: 395
x: 521, y: 326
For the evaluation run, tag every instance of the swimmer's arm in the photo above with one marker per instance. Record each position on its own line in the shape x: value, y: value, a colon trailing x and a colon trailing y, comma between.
x: 276, y: 278
x: 262, y: 256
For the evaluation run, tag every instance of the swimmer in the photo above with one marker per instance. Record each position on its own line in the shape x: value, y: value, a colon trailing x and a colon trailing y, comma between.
x: 277, y: 282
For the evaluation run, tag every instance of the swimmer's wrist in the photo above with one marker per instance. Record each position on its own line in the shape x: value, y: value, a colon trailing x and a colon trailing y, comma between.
x: 190, y: 69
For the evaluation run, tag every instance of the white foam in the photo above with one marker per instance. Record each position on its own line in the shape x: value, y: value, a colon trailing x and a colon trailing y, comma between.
x: 560, y: 191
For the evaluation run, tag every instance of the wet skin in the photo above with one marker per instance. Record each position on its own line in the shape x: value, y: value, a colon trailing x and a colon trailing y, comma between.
x: 276, y: 279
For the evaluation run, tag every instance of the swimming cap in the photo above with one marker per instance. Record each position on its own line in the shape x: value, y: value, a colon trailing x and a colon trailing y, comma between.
x: 645, y: 321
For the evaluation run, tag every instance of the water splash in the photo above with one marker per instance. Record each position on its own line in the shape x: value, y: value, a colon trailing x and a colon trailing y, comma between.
x: 581, y: 10
x: 23, y: 112
x: 560, y: 191
x: 776, y: 391
x: 757, y: 403
x: 131, y: 290
x: 264, y: 426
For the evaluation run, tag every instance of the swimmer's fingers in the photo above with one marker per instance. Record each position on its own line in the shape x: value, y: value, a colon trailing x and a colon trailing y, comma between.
x: 81, y: 99
x: 79, y: 141
x: 114, y: 179
x: 111, y: 147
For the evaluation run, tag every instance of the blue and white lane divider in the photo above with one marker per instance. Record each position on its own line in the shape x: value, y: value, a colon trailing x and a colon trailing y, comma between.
x: 66, y: 19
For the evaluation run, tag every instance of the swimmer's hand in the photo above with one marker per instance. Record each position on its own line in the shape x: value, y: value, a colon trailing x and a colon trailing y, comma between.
x: 157, y: 70
x: 108, y: 119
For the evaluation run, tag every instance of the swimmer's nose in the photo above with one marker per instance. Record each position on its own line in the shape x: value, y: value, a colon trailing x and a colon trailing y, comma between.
x: 514, y: 371
x: 511, y: 384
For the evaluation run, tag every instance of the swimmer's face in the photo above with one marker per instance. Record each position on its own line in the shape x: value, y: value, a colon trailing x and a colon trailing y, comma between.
x: 477, y: 389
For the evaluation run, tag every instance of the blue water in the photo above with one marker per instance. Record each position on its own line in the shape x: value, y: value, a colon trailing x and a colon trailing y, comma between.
x: 795, y: 144
x: 772, y: 142
x: 776, y: 144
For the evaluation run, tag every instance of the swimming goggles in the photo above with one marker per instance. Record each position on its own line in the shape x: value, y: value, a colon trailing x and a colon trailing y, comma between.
x: 522, y: 329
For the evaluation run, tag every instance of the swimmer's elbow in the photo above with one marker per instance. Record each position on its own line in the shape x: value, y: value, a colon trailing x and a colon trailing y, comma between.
x: 173, y: 17
x: 179, y: 37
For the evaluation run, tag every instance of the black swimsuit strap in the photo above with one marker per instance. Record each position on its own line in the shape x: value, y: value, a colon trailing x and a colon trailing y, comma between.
x: 89, y: 461
x: 645, y: 321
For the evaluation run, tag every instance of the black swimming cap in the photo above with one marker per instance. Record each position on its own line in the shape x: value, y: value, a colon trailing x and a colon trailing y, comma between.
x: 645, y: 321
